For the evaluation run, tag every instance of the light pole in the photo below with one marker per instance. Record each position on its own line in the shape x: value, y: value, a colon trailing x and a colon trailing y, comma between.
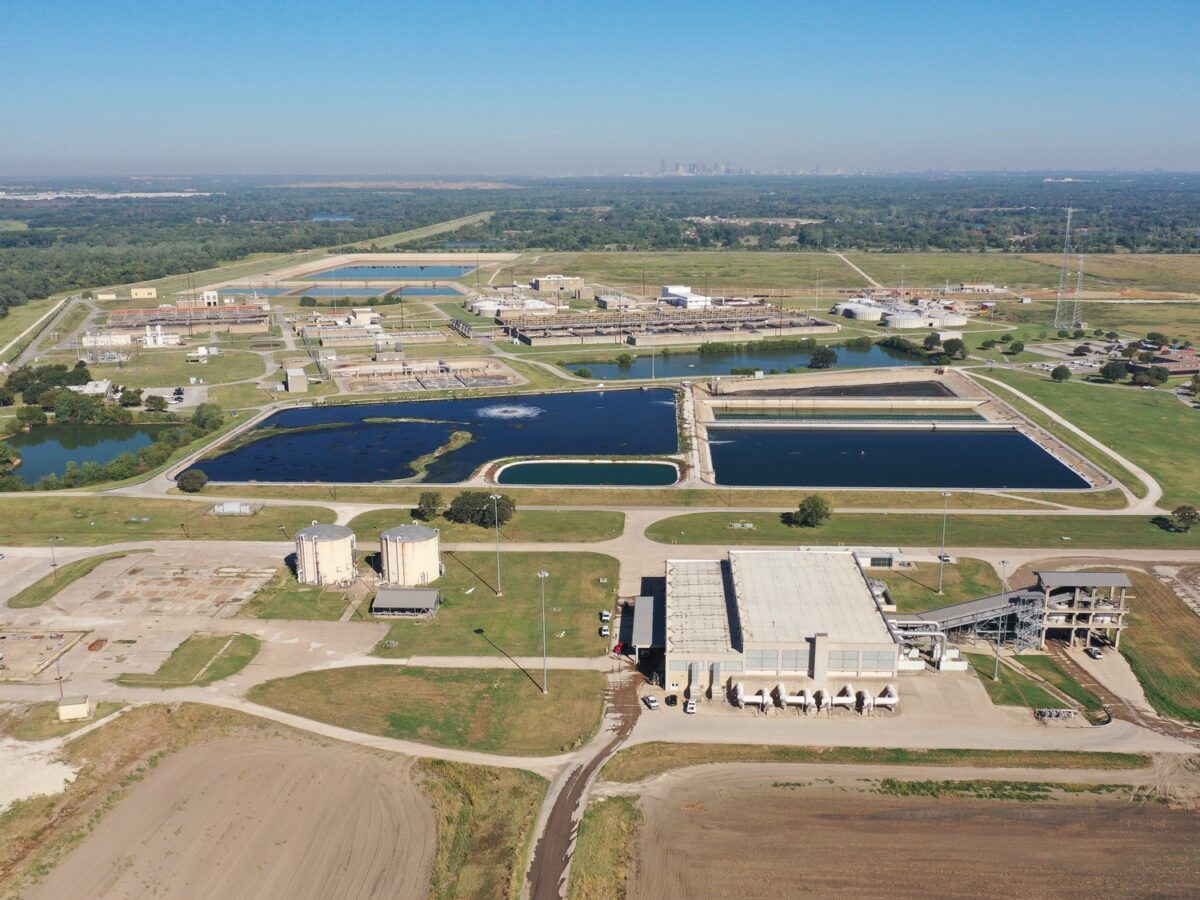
x: 542, y: 576
x: 496, y: 521
x: 53, y: 558
x: 1004, y: 590
x: 942, y: 555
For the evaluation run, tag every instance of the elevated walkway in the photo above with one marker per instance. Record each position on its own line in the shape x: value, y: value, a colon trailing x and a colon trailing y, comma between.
x: 972, y: 612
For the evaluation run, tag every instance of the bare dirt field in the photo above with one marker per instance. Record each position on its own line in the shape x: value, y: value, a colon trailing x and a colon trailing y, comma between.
x: 726, y: 831
x: 266, y: 818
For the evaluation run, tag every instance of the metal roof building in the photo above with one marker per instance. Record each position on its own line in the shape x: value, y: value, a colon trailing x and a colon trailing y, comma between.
x: 406, y: 602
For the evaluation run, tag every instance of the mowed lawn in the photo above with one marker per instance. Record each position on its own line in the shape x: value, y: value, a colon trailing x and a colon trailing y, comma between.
x: 32, y: 519
x: 527, y: 525
x: 915, y: 589
x: 1150, y: 428
x: 285, y: 598
x: 167, y: 368
x: 897, y: 528
x: 1162, y: 645
x: 578, y: 587
x: 1148, y: 271
x: 933, y: 269
x: 727, y: 271
x: 199, y: 660
x: 1012, y: 688
x: 493, y: 710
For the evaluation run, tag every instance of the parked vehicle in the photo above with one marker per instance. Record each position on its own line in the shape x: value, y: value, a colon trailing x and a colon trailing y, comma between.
x: 605, y: 615
x: 690, y: 707
x: 651, y: 701
x: 1094, y: 652
x: 604, y: 631
x: 672, y: 700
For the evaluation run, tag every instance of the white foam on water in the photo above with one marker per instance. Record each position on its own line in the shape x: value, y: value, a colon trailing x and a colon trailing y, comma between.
x: 511, y: 411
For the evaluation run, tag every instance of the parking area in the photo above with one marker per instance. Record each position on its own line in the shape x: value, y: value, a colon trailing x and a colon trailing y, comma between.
x: 193, y: 395
x: 25, y: 654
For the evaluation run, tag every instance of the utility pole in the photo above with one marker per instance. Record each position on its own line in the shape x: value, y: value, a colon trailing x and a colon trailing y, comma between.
x: 999, y: 622
x: 542, y: 576
x: 942, y: 555
x: 53, y: 558
x: 495, y: 498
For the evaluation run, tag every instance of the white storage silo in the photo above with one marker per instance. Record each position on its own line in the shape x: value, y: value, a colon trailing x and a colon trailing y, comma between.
x: 410, y: 555
x: 325, y: 554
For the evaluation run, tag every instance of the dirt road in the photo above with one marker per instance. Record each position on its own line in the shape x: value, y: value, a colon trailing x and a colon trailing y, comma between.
x: 269, y: 818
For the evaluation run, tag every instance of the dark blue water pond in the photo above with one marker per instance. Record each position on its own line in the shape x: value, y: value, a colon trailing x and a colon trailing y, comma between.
x: 412, y: 273
x: 868, y: 458
x: 343, y: 292
x: 47, y: 450
x: 600, y: 423
x: 682, y: 364
x: 590, y: 474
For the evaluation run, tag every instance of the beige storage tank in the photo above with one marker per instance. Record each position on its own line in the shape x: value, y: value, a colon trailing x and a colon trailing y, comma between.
x: 410, y: 555
x: 325, y: 554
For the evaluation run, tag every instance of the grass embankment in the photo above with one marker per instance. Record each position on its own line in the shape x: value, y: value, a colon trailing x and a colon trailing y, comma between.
x: 36, y: 833
x: 642, y: 761
x: 39, y: 721
x: 456, y: 441
x: 512, y: 624
x: 41, y: 591
x: 934, y: 269
x: 781, y: 499
x: 18, y: 319
x: 29, y: 520
x: 1150, y: 428
x: 526, y: 526
x: 915, y: 589
x: 975, y: 789
x: 1162, y: 645
x: 492, y: 710
x: 605, y: 850
x: 889, y: 529
x: 1048, y: 670
x: 485, y: 819
x: 199, y: 660
x: 1012, y: 688
x: 284, y: 598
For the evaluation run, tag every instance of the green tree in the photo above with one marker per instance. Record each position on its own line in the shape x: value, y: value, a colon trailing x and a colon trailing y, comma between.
x: 1157, y: 337
x: 814, y: 510
x: 931, y: 341
x: 8, y: 458
x: 131, y: 397
x: 583, y: 373
x: 428, y: 505
x: 1160, y: 374
x: 823, y: 358
x: 478, y: 508
x: 208, y: 417
x: 955, y: 348
x: 1185, y: 516
x: 1113, y: 370
x: 1061, y: 374
x: 156, y: 403
x: 307, y: 301
x: 192, y: 481
x: 624, y: 360
x: 31, y: 416
x: 988, y: 344
x: 1081, y: 350
x: 1007, y: 338
x: 1016, y: 347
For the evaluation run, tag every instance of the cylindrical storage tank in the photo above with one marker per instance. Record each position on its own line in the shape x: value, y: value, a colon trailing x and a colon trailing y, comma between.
x: 325, y: 554
x: 863, y: 313
x: 410, y: 555
x: 904, y: 320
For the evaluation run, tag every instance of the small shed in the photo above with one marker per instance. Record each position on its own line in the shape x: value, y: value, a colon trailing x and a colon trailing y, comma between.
x: 74, y: 709
x: 297, y: 381
x: 406, y: 602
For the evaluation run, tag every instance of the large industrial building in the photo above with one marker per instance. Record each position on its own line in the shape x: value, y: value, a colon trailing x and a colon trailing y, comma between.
x: 797, y: 614
x: 325, y: 554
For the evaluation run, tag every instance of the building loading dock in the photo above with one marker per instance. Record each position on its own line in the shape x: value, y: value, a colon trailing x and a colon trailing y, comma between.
x: 807, y: 616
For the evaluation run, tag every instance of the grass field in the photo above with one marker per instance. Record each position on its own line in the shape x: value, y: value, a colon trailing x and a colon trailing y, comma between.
x: 528, y: 525
x: 41, y: 591
x: 891, y: 529
x: 199, y: 660
x: 1132, y: 319
x: 728, y: 273
x: 1012, y: 688
x: 388, y: 241
x: 512, y: 623
x: 915, y: 589
x: 1151, y: 428
x: 605, y: 849
x: 168, y: 368
x: 18, y: 319
x: 32, y: 519
x: 642, y: 761
x: 932, y: 269
x: 39, y: 721
x: 1046, y: 668
x: 485, y: 819
x: 1162, y: 645
x: 1129, y: 271
x: 284, y: 598
x: 493, y: 710
x: 60, y: 327
x: 240, y: 396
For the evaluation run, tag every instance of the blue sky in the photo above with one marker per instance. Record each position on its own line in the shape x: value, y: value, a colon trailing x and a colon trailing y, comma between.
x: 571, y: 88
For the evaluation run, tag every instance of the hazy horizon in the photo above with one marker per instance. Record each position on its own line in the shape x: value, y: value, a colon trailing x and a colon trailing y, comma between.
x: 522, y: 90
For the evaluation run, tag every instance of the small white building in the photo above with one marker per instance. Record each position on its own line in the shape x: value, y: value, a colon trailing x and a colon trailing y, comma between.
x: 143, y: 293
x: 74, y: 709
x: 297, y: 381
x: 682, y: 296
x: 102, y: 339
x: 102, y: 390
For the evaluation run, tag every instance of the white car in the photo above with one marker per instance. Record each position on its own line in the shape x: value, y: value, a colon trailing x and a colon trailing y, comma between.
x: 651, y: 701
x: 604, y: 631
x: 1094, y: 653
x: 690, y: 707
x: 605, y: 615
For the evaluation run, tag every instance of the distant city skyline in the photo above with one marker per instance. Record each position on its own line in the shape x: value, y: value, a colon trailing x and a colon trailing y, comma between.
x: 578, y: 89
